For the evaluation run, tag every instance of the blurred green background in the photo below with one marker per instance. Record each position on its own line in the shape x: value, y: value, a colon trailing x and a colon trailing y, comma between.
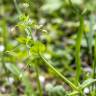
x: 61, y: 24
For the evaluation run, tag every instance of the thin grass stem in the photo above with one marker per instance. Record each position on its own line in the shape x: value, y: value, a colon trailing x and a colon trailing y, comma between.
x: 78, y: 45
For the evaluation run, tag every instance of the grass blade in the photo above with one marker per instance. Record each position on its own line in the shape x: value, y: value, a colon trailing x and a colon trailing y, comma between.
x: 78, y: 45
x: 94, y: 63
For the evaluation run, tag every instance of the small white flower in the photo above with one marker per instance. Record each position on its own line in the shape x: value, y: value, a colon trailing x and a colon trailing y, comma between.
x: 42, y: 79
x: 11, y: 80
x: 86, y: 91
x: 1, y: 48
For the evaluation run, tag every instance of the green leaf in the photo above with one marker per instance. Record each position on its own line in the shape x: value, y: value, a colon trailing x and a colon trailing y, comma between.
x: 22, y: 40
x: 13, y: 69
x: 78, y: 47
x: 23, y: 17
x: 28, y: 41
x: 87, y: 83
x: 52, y: 5
x: 38, y: 48
x: 16, y: 71
x: 55, y: 91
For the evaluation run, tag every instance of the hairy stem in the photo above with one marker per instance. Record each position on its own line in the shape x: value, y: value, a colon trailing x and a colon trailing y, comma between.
x: 58, y: 73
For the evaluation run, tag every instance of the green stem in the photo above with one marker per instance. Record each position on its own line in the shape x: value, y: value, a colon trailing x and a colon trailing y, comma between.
x: 17, y: 7
x: 94, y: 64
x: 90, y: 37
x: 58, y: 73
x: 73, y: 93
x: 78, y: 45
x: 5, y: 37
x: 38, y: 81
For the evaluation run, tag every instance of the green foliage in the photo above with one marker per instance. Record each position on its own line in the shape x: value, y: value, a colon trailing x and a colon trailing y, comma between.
x: 13, y: 69
x: 21, y: 76
x: 52, y: 5
x: 26, y: 50
x: 38, y: 48
x: 88, y: 82
x: 57, y: 90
